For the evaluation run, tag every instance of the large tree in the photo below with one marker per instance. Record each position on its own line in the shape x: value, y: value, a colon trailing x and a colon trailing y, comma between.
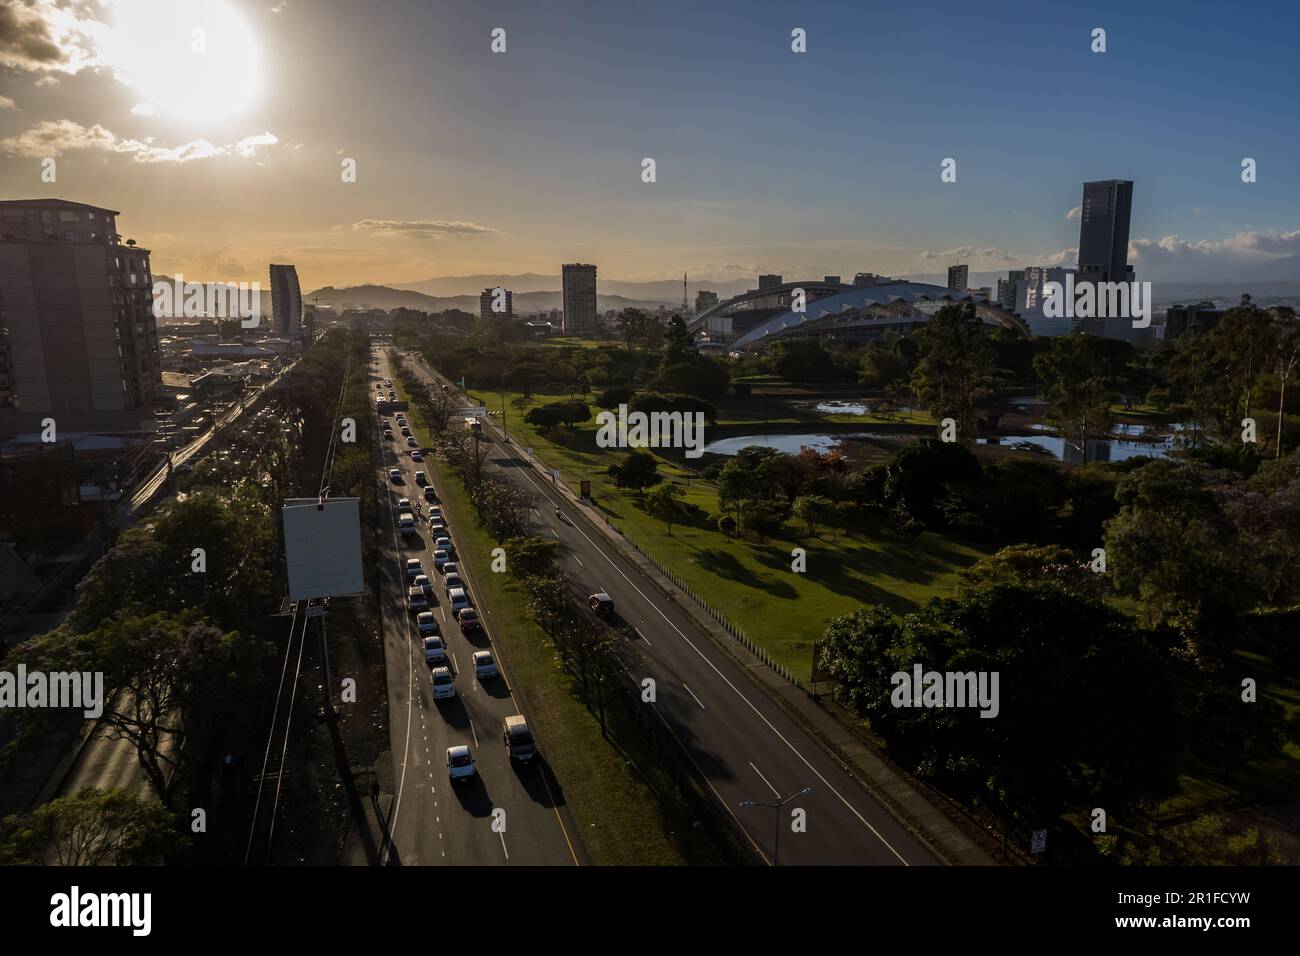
x: 956, y: 366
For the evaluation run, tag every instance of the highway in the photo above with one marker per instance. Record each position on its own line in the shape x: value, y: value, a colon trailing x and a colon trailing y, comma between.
x: 431, y: 821
x: 746, y: 746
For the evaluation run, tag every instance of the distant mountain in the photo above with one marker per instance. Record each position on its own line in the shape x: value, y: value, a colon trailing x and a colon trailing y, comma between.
x: 385, y: 297
x: 665, y: 291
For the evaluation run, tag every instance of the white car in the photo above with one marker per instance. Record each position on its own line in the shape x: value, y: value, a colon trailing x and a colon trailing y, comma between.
x: 435, y: 513
x: 406, y: 523
x: 458, y: 599
x: 437, y: 530
x: 417, y: 455
x: 426, y: 623
x: 440, y: 559
x: 484, y: 665
x: 450, y: 568
x: 444, y: 683
x: 460, y: 763
x: 435, y: 652
x: 413, y: 568
x: 416, y: 600
x: 412, y: 442
x: 403, y: 504
x: 394, y: 474
x: 442, y: 544
x: 450, y: 580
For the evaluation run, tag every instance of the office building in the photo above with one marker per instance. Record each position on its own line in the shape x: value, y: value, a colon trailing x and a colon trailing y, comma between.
x: 769, y: 281
x: 1007, y: 288
x: 705, y: 300
x: 78, y: 338
x: 958, y: 277
x: 286, y: 301
x: 1185, y: 319
x: 1103, y: 231
x: 486, y: 299
x: 579, y: 298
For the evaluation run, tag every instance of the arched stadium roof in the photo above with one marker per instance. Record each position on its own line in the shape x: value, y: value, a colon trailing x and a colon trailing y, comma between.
x: 885, y: 293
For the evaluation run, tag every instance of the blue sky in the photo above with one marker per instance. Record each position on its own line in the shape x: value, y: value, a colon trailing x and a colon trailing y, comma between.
x: 766, y: 159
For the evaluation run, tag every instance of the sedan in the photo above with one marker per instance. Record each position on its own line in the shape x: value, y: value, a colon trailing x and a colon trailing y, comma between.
x: 394, y: 475
x: 468, y: 620
x: 413, y: 568
x: 451, y: 580
x: 418, y: 455
x: 424, y: 584
x: 440, y: 559
x: 484, y: 665
x: 403, y: 504
x: 459, y: 599
x: 435, y: 652
x: 426, y: 623
x: 442, y: 544
x: 460, y: 764
x: 444, y: 683
x: 416, y: 601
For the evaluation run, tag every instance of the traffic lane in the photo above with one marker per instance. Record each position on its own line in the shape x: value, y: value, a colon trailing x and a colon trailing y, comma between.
x: 461, y: 817
x: 745, y: 724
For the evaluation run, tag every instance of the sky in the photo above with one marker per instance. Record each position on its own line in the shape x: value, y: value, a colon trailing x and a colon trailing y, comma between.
x: 229, y: 157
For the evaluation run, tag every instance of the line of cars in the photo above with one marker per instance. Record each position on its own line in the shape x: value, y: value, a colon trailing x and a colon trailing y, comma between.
x: 422, y: 598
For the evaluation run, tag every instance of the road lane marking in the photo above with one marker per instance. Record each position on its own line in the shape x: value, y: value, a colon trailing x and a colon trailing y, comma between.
x: 697, y: 700
x: 474, y: 732
x: 776, y: 793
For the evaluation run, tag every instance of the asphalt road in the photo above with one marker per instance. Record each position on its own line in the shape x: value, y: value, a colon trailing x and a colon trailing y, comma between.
x: 432, y: 821
x: 746, y: 746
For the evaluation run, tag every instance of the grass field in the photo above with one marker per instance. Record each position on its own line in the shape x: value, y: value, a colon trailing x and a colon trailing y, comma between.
x: 749, y: 582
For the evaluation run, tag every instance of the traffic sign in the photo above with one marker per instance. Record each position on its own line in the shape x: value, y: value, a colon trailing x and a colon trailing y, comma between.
x: 1038, y: 842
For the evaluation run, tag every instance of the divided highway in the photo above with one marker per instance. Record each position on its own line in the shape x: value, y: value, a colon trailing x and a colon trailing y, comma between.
x: 746, y: 746
x: 430, y: 819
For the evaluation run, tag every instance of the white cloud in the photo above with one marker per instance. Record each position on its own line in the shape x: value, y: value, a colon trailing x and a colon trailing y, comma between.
x: 969, y: 252
x: 7, y: 104
x: 144, y: 109
x: 1074, y: 213
x: 421, y: 228
x: 55, y: 137
x: 48, y: 36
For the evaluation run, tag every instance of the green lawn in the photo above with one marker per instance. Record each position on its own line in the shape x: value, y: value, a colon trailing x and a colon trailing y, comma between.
x: 749, y: 582
x: 623, y: 822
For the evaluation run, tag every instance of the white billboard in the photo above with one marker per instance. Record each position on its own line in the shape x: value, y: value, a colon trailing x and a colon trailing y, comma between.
x: 322, y: 546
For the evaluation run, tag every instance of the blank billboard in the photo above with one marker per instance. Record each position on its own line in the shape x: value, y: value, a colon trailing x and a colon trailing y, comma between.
x: 322, y: 546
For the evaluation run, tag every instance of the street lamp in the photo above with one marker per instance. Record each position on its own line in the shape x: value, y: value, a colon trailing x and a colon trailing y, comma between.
x: 776, y: 810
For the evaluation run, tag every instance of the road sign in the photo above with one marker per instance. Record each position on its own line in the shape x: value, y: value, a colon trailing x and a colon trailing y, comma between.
x: 1038, y: 842
x: 586, y: 488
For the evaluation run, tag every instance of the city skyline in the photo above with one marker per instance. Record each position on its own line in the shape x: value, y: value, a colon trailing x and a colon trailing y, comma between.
x: 465, y: 165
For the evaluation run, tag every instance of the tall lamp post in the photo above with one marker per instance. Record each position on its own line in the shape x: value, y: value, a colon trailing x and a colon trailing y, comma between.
x: 776, y: 816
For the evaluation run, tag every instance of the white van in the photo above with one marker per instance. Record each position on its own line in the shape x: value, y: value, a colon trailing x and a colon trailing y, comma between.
x: 406, y: 523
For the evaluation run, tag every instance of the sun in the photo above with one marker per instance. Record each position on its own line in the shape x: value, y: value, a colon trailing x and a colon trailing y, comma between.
x: 193, y: 60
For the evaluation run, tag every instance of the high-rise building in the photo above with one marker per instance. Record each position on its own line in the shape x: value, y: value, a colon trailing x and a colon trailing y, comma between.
x: 286, y: 300
x: 769, y: 281
x: 579, y: 298
x: 958, y: 276
x: 1007, y: 288
x: 1103, y: 231
x: 488, y: 296
x: 78, y: 338
x: 705, y: 300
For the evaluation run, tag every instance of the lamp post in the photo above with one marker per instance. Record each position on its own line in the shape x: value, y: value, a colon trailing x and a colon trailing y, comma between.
x: 776, y: 816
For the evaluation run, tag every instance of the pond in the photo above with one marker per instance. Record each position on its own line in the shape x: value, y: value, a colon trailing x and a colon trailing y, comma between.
x: 790, y: 444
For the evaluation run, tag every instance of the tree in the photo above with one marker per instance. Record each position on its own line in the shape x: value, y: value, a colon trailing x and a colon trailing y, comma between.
x: 955, y: 367
x: 639, y: 470
x: 1024, y: 564
x: 614, y: 397
x: 813, y: 510
x: 1072, y: 377
x: 747, y: 476
x: 1286, y: 360
x: 667, y: 503
x: 91, y: 828
x: 529, y: 557
x: 550, y: 602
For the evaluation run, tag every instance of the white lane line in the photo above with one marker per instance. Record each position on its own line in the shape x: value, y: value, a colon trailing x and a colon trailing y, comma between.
x: 638, y: 633
x: 474, y: 732
x: 776, y: 793
x: 503, y: 845
x: 750, y: 704
x: 554, y: 532
x: 579, y: 560
x: 697, y: 700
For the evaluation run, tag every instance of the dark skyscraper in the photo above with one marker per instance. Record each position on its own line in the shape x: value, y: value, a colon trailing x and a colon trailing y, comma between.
x: 1103, y: 231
